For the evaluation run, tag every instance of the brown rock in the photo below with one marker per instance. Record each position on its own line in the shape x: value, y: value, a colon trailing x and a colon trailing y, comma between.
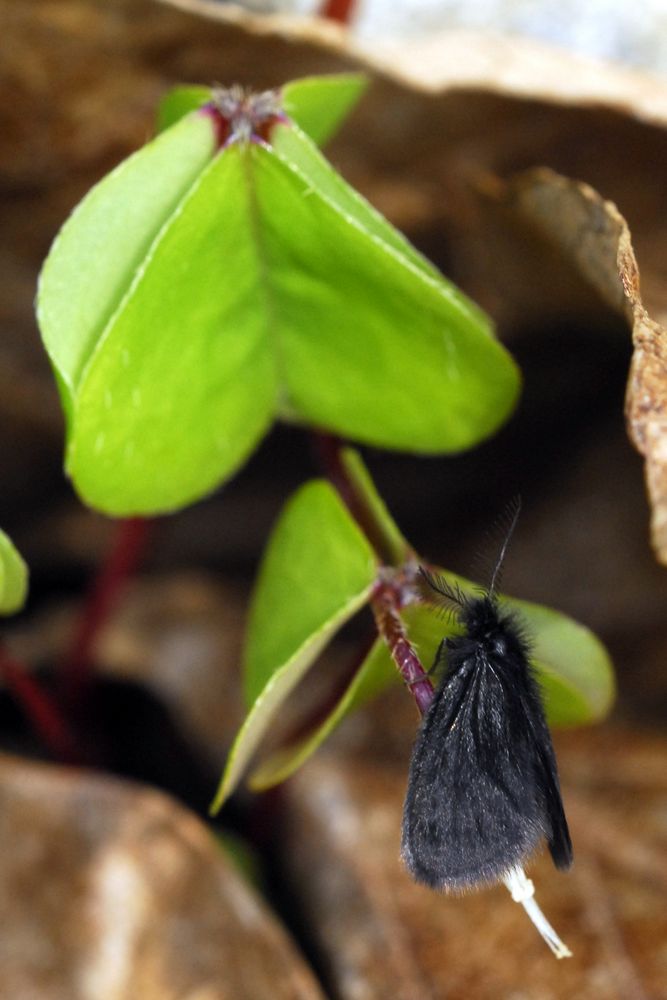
x: 109, y: 891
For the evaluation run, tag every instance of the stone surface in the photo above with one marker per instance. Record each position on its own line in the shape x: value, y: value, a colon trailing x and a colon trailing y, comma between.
x: 110, y: 891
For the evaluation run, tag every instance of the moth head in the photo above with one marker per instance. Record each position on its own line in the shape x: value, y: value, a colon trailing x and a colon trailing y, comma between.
x: 497, y: 630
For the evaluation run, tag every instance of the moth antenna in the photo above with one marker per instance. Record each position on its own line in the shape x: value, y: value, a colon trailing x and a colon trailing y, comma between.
x: 447, y: 594
x: 512, y: 513
x: 523, y: 891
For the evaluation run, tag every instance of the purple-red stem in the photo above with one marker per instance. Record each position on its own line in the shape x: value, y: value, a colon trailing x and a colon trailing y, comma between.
x: 41, y: 711
x: 124, y: 557
x: 386, y: 605
x: 338, y: 10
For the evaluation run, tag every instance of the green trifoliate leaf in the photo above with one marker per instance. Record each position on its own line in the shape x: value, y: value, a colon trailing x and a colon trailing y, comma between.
x: 224, y: 276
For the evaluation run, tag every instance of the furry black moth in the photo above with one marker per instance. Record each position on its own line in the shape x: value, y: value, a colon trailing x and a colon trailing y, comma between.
x: 483, y: 786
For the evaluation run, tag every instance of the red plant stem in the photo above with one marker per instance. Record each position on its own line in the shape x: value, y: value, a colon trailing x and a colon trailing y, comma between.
x: 41, y: 711
x: 386, y: 604
x: 125, y: 555
x: 338, y: 10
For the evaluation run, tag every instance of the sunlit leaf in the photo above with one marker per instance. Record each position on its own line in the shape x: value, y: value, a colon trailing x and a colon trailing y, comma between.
x: 198, y: 293
x: 179, y: 102
x: 107, y: 241
x: 386, y: 324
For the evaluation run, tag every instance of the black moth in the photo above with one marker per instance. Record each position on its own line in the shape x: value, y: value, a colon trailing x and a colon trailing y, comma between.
x: 483, y: 786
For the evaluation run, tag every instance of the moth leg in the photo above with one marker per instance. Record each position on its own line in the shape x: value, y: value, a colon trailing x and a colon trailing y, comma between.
x: 440, y: 656
x: 411, y: 685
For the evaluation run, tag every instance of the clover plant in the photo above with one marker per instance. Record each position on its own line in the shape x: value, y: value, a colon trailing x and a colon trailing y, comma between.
x: 226, y: 276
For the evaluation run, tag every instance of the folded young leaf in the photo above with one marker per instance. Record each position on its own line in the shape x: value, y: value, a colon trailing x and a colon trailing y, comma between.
x: 13, y: 577
x: 318, y: 571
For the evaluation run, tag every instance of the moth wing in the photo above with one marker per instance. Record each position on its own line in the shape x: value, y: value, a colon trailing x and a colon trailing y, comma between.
x: 558, y: 835
x: 472, y: 810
